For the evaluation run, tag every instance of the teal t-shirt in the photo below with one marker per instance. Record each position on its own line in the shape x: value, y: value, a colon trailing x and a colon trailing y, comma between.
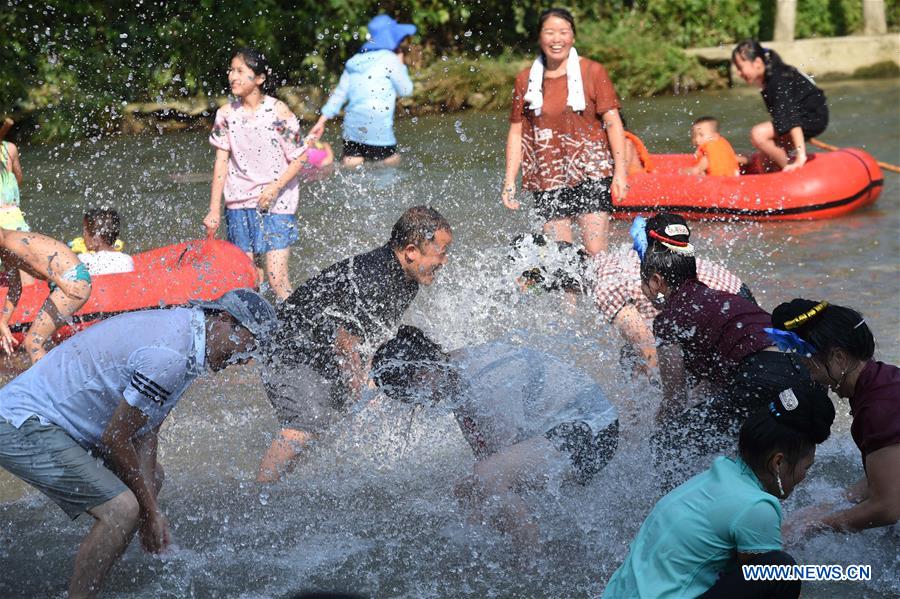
x: 695, y: 532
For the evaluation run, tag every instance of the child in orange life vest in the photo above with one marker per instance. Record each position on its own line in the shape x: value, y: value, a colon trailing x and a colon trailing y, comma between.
x: 715, y: 156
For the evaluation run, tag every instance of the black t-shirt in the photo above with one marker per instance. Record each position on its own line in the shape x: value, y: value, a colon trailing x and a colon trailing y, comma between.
x: 793, y: 100
x: 365, y: 295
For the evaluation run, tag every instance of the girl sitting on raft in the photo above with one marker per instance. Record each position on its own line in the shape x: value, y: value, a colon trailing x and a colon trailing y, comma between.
x: 696, y: 539
x: 837, y: 346
x: 796, y: 105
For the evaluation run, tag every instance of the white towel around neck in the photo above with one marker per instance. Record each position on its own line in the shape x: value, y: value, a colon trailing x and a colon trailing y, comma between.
x: 534, y: 96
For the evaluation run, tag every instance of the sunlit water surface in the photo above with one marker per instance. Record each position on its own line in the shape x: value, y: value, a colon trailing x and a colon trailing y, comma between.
x: 371, y: 508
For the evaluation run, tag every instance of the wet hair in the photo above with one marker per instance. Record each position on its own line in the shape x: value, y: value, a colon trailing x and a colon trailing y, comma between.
x: 416, y: 226
x: 673, y: 267
x: 827, y: 328
x: 751, y: 49
x: 103, y: 222
x: 398, y: 364
x: 795, y: 421
x: 257, y: 62
x: 560, y: 13
x: 708, y: 119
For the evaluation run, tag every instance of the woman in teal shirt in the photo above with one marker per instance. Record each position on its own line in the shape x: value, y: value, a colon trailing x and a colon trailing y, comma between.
x: 696, y: 539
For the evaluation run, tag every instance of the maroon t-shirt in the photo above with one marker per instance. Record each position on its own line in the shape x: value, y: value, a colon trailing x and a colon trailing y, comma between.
x: 875, y: 407
x: 715, y: 329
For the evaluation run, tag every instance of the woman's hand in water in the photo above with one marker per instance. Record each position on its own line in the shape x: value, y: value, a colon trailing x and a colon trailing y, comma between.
x: 508, y: 195
x: 268, y: 195
x: 6, y: 339
x: 805, y: 522
x: 211, y: 222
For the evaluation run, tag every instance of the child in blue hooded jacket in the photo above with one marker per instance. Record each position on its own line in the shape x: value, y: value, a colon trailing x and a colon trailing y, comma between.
x: 369, y: 86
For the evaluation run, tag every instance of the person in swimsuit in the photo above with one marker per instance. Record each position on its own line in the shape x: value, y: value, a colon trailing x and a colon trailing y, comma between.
x: 50, y: 260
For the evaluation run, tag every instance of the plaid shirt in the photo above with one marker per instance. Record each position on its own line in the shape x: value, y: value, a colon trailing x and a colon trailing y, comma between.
x: 616, y: 279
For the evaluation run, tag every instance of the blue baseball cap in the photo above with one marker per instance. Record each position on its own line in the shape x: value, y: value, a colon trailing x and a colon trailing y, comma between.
x: 385, y: 33
x: 247, y: 307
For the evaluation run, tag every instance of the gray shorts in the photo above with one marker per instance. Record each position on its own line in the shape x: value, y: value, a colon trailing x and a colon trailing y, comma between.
x: 47, y: 458
x: 303, y: 399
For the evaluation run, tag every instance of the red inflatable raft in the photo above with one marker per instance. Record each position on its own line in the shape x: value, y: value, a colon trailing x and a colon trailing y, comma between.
x: 166, y: 276
x: 827, y: 186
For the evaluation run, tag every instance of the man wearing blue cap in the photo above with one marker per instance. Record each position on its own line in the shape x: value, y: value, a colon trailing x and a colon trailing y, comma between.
x: 369, y: 86
x: 104, y: 394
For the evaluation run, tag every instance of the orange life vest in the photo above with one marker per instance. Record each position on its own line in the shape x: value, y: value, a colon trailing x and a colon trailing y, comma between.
x: 646, y: 165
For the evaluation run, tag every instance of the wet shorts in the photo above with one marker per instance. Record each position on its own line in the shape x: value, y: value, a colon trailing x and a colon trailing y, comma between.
x: 588, y: 197
x: 589, y: 453
x: 47, y: 458
x: 303, y: 399
x: 260, y: 232
x: 354, y: 149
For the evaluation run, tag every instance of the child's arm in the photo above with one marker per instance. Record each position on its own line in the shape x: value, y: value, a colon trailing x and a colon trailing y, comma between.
x: 403, y: 85
x: 699, y: 168
x: 332, y: 106
x: 12, y: 299
x: 220, y: 171
x: 14, y: 165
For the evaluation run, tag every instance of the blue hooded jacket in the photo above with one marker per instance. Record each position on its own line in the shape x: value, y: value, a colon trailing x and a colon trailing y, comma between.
x: 370, y: 85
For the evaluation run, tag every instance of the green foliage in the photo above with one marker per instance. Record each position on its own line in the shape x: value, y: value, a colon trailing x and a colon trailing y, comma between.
x: 639, y: 60
x: 73, y: 66
x: 828, y: 17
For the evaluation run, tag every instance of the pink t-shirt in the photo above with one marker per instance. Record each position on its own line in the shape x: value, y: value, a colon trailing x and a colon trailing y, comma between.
x: 261, y: 147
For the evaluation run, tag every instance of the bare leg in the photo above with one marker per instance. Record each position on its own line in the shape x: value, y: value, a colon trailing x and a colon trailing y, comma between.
x: 352, y: 161
x: 277, y: 271
x: 57, y: 311
x: 116, y: 522
x: 392, y: 160
x: 764, y: 139
x: 595, y: 231
x: 524, y: 465
x: 260, y: 273
x: 559, y: 229
x: 282, y: 454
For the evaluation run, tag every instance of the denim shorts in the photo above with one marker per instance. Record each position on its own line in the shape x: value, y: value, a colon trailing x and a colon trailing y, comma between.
x: 47, y: 458
x: 259, y: 232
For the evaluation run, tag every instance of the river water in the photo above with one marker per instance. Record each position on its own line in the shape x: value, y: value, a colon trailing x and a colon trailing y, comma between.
x: 371, y: 509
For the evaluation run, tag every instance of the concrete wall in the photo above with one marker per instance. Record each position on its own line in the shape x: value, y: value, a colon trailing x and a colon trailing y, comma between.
x: 819, y: 56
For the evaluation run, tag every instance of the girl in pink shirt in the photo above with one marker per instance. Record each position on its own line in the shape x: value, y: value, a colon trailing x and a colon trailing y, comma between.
x: 259, y: 152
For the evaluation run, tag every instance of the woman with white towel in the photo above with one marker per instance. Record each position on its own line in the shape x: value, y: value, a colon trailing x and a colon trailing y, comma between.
x: 566, y: 134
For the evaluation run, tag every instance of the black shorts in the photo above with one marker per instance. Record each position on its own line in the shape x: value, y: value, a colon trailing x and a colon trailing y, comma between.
x: 814, y: 124
x: 589, y: 453
x: 369, y: 153
x: 588, y: 197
